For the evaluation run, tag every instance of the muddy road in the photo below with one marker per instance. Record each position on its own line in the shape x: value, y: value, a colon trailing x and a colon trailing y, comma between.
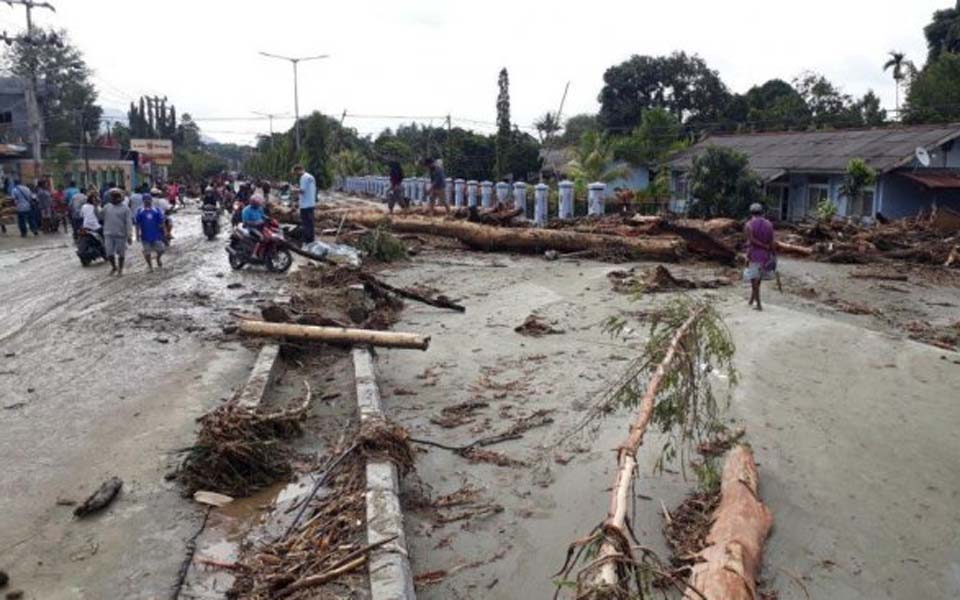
x: 853, y: 426
x: 104, y: 376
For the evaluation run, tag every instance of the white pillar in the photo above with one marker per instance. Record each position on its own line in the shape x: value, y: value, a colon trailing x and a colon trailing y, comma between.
x: 486, y: 193
x: 540, y: 194
x: 471, y: 193
x: 503, y: 192
x: 458, y: 192
x: 405, y: 186
x: 566, y: 199
x: 520, y: 197
x: 421, y: 189
x: 595, y: 198
x: 448, y: 191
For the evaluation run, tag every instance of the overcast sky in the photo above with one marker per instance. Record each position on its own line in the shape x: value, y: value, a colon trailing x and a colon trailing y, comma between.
x: 431, y: 58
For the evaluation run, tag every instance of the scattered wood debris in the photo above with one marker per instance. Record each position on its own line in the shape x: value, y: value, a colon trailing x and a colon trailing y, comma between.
x: 536, y: 326
x: 658, y: 279
x: 101, y: 498
x: 238, y: 449
x: 458, y: 414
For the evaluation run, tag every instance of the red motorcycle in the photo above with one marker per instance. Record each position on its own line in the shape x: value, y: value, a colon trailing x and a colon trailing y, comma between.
x: 265, y: 246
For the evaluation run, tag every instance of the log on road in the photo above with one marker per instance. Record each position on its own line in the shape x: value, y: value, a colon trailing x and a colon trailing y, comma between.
x: 336, y: 335
x: 532, y: 240
x: 731, y: 560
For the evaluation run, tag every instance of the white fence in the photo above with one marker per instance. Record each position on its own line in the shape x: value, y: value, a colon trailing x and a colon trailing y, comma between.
x: 460, y: 193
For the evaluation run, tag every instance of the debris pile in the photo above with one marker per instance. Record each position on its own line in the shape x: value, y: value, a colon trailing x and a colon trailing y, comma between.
x: 327, y: 540
x: 239, y: 450
x: 536, y: 326
x: 658, y: 279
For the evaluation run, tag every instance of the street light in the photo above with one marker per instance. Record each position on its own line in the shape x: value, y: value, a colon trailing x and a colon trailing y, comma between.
x: 296, y: 98
x: 271, y: 117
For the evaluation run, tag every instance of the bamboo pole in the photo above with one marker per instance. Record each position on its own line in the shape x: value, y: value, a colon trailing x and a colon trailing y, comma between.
x: 337, y: 335
x: 614, y: 527
x: 731, y: 560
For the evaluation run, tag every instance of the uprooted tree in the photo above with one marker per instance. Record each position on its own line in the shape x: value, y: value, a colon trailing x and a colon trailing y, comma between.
x: 670, y: 385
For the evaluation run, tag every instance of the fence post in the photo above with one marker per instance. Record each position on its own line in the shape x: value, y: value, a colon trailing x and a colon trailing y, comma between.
x: 520, y: 197
x: 503, y: 193
x: 448, y: 191
x: 471, y: 193
x: 566, y: 199
x: 486, y: 193
x: 595, y: 198
x: 458, y: 192
x: 540, y: 194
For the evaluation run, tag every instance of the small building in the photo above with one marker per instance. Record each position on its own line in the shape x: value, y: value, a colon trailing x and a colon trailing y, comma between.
x: 800, y: 169
x: 94, y: 166
x: 556, y: 163
x: 14, y: 117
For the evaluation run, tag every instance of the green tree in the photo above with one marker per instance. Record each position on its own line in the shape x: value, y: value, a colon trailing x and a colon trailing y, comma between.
x: 658, y: 134
x: 546, y: 126
x: 934, y: 95
x: 69, y: 105
x: 858, y: 177
x: 61, y: 159
x: 501, y: 169
x: 683, y: 84
x: 776, y: 105
x: 869, y: 110
x: 900, y: 67
x: 187, y: 135
x: 347, y: 163
x: 594, y: 160
x: 576, y: 126
x: 722, y: 184
x: 828, y: 105
x: 943, y: 33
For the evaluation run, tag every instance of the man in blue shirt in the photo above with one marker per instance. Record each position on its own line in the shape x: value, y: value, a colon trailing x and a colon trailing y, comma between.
x: 149, y: 221
x: 308, y: 202
x: 22, y: 197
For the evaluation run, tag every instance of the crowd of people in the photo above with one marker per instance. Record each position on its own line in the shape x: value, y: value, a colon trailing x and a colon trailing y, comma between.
x: 117, y: 216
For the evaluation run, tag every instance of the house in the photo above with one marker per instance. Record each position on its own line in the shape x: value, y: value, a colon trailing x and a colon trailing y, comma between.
x: 14, y: 118
x: 556, y: 163
x: 800, y: 169
x: 94, y: 166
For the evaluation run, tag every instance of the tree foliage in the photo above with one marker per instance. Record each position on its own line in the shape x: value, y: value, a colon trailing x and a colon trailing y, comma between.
x: 934, y: 95
x: 576, y: 126
x: 546, y: 126
x: 594, y: 159
x: 151, y: 118
x: 722, y: 184
x: 943, y: 33
x: 501, y: 169
x: 71, y: 106
x: 680, y: 83
x: 658, y: 134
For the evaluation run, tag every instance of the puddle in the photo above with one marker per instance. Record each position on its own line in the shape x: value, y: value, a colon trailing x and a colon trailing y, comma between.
x: 258, y: 518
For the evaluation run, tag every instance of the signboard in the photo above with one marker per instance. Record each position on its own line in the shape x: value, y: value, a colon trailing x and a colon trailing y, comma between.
x: 160, y: 152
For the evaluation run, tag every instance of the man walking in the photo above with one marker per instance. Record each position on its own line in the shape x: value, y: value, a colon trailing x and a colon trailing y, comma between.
x: 396, y: 188
x: 438, y: 184
x: 116, y: 231
x: 308, y: 202
x: 21, y: 196
x: 760, y: 255
x: 150, y: 227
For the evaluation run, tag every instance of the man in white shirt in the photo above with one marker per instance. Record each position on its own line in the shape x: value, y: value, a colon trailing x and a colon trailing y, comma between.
x: 90, y: 214
x: 308, y: 202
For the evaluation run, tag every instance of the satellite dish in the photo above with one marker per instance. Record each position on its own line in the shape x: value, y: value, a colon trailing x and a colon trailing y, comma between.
x: 923, y: 157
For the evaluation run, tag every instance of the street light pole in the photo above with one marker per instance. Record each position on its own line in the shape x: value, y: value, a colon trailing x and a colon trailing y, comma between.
x: 295, y: 60
x: 270, y: 117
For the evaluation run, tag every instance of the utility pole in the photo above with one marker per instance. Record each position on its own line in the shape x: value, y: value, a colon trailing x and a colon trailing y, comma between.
x: 33, y: 108
x: 269, y: 116
x: 295, y: 60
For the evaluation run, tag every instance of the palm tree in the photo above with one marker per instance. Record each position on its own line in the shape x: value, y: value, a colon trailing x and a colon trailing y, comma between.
x: 901, y: 66
x: 593, y: 160
x: 546, y: 126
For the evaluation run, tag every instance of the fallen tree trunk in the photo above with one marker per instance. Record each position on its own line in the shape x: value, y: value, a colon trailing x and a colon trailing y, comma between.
x: 616, y: 537
x: 535, y: 240
x: 731, y: 560
x: 336, y: 335
x: 785, y: 248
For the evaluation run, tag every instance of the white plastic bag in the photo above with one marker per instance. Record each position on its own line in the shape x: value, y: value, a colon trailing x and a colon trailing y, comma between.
x: 338, y: 253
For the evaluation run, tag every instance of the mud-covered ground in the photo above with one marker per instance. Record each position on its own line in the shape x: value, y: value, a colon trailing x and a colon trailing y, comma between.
x: 854, y: 426
x: 104, y: 376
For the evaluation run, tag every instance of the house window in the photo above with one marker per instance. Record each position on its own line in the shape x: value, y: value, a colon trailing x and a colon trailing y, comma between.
x: 6, y: 118
x: 816, y: 193
x: 777, y: 195
x: 680, y: 187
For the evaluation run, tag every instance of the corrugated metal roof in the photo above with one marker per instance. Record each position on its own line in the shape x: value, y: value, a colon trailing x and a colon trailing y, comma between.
x: 826, y: 151
x: 944, y: 180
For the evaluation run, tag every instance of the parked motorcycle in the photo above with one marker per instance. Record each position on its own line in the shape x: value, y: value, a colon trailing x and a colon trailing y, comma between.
x: 210, y: 220
x: 268, y: 249
x: 90, y: 246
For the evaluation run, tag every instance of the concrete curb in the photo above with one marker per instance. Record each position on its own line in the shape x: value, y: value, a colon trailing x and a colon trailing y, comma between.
x: 391, y: 577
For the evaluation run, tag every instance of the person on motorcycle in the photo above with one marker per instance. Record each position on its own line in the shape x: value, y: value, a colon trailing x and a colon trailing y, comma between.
x: 209, y: 197
x: 90, y: 214
x: 253, y: 219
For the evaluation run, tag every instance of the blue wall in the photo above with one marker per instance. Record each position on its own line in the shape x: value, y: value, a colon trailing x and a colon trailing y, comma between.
x: 901, y: 197
x: 639, y: 179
